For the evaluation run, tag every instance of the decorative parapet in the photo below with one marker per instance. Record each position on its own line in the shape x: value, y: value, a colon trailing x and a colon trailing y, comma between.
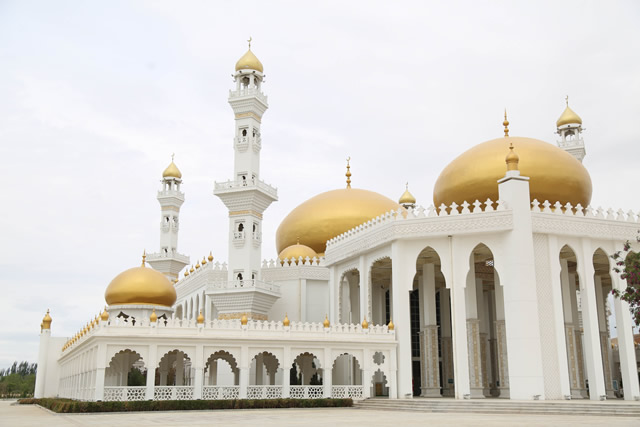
x: 158, y: 256
x: 243, y: 285
x: 288, y: 269
x: 248, y: 92
x: 245, y: 184
x: 576, y: 220
x: 201, y: 277
x: 488, y: 216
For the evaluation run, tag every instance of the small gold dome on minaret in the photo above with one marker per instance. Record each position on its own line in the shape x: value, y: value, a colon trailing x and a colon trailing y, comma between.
x: 210, y: 258
x: 326, y: 322
x: 391, y: 326
x: 154, y: 317
x: 365, y: 324
x: 505, y: 123
x: 46, y: 321
x: 172, y: 170
x: 512, y: 159
x: 243, y: 319
x: 285, y: 322
x: 568, y: 116
x: 200, y: 318
x: 407, y: 198
x: 249, y: 61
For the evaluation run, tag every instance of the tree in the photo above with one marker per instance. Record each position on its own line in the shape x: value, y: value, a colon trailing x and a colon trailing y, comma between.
x: 627, y: 264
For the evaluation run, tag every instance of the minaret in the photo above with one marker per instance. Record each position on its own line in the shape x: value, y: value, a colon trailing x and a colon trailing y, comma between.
x: 245, y: 195
x: 43, y: 353
x: 168, y: 261
x: 570, y: 130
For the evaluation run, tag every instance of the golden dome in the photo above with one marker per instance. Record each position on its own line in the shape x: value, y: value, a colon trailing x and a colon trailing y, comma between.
x: 326, y: 322
x: 555, y: 174
x: 244, y: 319
x: 568, y: 117
x: 286, y: 322
x: 365, y: 324
x: 328, y: 215
x: 172, y: 171
x: 249, y: 62
x: 407, y: 198
x: 210, y: 257
x: 154, y: 317
x: 46, y: 321
x: 140, y: 285
x: 296, y: 251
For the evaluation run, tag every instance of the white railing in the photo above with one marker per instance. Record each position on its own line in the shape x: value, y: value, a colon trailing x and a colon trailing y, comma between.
x: 246, y: 183
x: 244, y: 284
x: 306, y: 391
x: 249, y: 92
x: 355, y: 392
x: 580, y: 211
x: 173, y: 393
x: 124, y: 393
x: 220, y: 392
x: 264, y: 392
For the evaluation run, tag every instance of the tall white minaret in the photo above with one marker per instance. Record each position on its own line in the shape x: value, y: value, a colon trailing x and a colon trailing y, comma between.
x: 168, y: 261
x: 570, y: 130
x: 246, y: 195
x: 43, y: 354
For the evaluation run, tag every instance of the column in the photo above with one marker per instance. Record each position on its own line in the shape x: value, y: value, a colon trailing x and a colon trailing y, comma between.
x: 286, y: 378
x: 604, y: 337
x: 577, y: 336
x: 365, y: 309
x: 570, y: 331
x: 459, y: 328
x: 327, y: 373
x: 243, y: 367
x: 402, y: 272
x: 446, y: 344
x: 626, y: 348
x: 151, y: 372
x: 473, y: 335
x: 259, y: 369
x: 198, y: 371
x: 485, y: 352
x: 429, y: 334
x: 501, y: 340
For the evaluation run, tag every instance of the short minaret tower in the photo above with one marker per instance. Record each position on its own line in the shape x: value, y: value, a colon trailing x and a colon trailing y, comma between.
x: 43, y: 356
x: 570, y: 130
x: 246, y: 195
x: 168, y: 261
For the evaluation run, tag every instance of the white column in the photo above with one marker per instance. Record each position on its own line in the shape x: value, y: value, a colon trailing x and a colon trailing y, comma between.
x: 429, y: 333
x: 198, y: 371
x: 626, y: 348
x: 365, y: 309
x: 593, y: 354
x: 327, y: 373
x: 402, y: 273
x: 244, y: 371
x: 604, y: 338
x: 286, y: 377
x: 501, y: 341
x: 459, y: 326
x: 151, y: 371
x: 43, y: 352
x: 447, y: 349
x: 473, y: 334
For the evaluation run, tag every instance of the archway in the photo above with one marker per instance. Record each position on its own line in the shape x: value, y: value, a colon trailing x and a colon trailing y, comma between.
x: 125, y: 377
x: 380, y: 387
x: 265, y: 377
x: 174, y: 377
x: 346, y: 377
x: 349, y: 294
x: 306, y: 377
x: 221, y: 377
x: 603, y: 285
x: 381, y: 295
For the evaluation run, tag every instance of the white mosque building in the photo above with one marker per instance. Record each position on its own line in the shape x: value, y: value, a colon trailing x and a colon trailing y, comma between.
x: 500, y: 290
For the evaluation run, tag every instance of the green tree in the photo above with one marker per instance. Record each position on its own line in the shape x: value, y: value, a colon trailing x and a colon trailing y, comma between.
x: 627, y: 264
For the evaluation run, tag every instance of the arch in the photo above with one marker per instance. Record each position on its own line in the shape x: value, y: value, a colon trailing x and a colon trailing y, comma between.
x: 306, y: 369
x: 380, y: 290
x: 264, y: 369
x: 379, y: 384
x: 215, y: 376
x: 174, y: 368
x: 349, y: 296
x: 346, y: 370
x: 126, y: 368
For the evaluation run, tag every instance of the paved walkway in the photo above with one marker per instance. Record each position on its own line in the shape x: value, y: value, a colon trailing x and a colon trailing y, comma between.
x: 31, y: 416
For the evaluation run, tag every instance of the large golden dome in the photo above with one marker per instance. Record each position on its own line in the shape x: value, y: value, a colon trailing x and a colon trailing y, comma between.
x: 249, y: 62
x: 555, y: 174
x: 328, y: 215
x: 140, y: 285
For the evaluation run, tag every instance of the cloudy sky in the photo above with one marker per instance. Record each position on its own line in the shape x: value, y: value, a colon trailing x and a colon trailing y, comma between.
x: 95, y: 96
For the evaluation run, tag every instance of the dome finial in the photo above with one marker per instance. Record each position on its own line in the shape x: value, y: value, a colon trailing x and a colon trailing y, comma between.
x: 249, y: 41
x: 172, y: 170
x: 210, y: 258
x: 512, y: 159
x: 46, y: 321
x: 407, y: 199
x: 566, y: 100
x: 348, y: 174
x: 505, y: 124
x: 144, y: 257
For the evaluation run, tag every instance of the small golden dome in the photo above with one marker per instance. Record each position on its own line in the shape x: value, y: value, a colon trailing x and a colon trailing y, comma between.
x: 243, y: 319
x: 186, y: 272
x: 407, y: 198
x: 568, y: 117
x: 191, y: 270
x: 154, y: 317
x: 172, y: 171
x: 140, y: 285
x: 285, y: 322
x: 204, y: 261
x: 391, y: 326
x: 200, y: 318
x: 326, y: 322
x: 198, y: 265
x: 365, y: 324
x: 296, y: 251
x: 249, y: 62
x: 210, y: 258
x: 328, y: 215
x: 512, y: 159
x: 555, y: 175
x: 46, y: 321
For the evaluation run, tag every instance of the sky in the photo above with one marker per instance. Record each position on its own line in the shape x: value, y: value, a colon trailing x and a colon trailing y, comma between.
x: 96, y: 96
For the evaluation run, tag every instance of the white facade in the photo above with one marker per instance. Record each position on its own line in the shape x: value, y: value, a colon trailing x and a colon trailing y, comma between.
x: 468, y: 301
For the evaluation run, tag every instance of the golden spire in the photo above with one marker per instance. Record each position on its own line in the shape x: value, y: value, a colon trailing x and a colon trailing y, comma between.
x: 154, y: 317
x: 186, y: 272
x: 365, y: 324
x: 204, y: 261
x: 512, y: 159
x: 191, y: 270
x: 144, y: 257
x: 200, y: 318
x: 286, y: 322
x: 391, y: 326
x: 46, y: 321
x: 249, y: 41
x: 348, y: 174
x: 198, y: 265
x: 243, y: 319
x: 210, y: 257
x: 326, y: 322
x: 505, y: 124
x: 105, y: 315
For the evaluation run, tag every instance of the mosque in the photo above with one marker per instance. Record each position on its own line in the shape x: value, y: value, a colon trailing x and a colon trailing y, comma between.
x: 498, y: 289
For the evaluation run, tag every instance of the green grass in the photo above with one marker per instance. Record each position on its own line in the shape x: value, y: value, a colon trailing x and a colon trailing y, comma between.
x: 75, y: 406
